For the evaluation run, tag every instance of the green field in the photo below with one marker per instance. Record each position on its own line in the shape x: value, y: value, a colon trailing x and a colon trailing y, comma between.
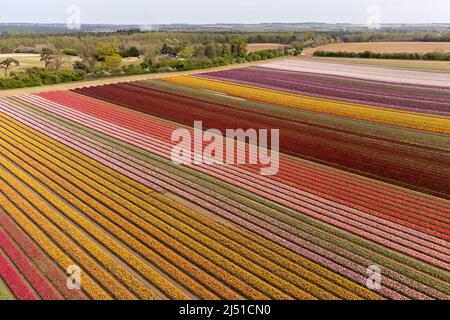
x: 34, y: 60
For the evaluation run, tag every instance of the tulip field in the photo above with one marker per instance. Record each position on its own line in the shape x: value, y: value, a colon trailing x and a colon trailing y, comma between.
x: 87, y: 180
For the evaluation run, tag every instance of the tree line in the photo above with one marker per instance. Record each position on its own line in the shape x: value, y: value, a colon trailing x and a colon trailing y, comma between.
x: 104, y: 59
x: 432, y: 56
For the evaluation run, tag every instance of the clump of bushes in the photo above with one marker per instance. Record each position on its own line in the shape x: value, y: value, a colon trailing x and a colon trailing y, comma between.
x: 39, y: 76
x: 70, y: 52
x: 266, y: 54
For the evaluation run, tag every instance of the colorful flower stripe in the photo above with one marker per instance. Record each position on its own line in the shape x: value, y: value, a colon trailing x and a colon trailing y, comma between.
x: 374, y: 190
x: 114, y: 287
x: 158, y: 130
x: 88, y: 178
x: 326, y: 88
x: 120, y: 234
x: 38, y: 281
x: 375, y: 74
x: 56, y: 275
x: 15, y: 282
x: 91, y: 288
x: 339, y: 124
x: 163, y: 130
x: 426, y: 257
x: 209, y: 231
x: 418, y: 168
x: 402, y: 119
x: 254, y: 268
x: 119, y: 271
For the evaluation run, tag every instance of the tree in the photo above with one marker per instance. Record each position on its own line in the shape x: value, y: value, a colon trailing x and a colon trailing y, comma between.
x: 88, y: 53
x: 109, y: 54
x: 133, y: 52
x: 47, y: 57
x: 239, y: 47
x: 106, y: 50
x: 186, y: 53
x: 226, y: 49
x: 58, y: 60
x: 166, y: 49
x: 112, y: 62
x: 171, y: 47
x: 7, y: 64
x: 210, y: 50
x: 199, y: 51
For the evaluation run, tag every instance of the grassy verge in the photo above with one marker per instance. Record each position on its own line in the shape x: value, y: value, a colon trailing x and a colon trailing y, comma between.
x: 5, y: 294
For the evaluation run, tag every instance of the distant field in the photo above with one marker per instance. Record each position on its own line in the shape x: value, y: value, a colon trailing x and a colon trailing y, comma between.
x: 255, y: 47
x: 403, y: 64
x: 29, y: 60
x: 366, y: 72
x: 384, y: 47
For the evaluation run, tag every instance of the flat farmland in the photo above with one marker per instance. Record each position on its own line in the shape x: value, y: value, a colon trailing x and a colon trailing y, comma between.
x: 361, y: 71
x: 255, y: 47
x: 384, y: 47
x: 420, y: 65
x: 28, y: 60
x: 88, y: 179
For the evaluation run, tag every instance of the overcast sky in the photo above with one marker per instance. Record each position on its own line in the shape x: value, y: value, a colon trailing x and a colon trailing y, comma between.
x: 225, y: 11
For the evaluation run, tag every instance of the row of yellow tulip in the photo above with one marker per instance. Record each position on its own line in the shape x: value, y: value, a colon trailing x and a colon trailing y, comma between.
x: 131, y: 212
x: 139, y: 195
x: 69, y: 254
x: 406, y: 119
x: 69, y: 228
x: 92, y: 209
